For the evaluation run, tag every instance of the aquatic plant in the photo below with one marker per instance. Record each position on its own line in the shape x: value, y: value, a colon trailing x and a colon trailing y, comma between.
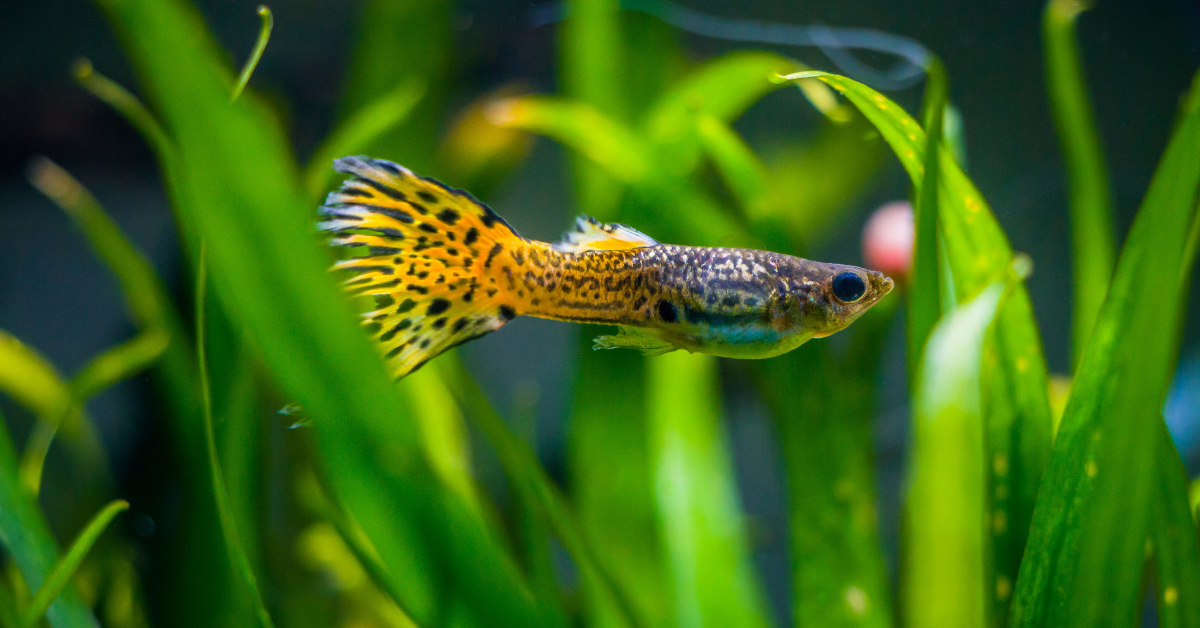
x: 1014, y: 516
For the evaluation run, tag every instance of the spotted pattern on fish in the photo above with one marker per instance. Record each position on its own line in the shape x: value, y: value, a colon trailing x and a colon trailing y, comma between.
x: 444, y: 268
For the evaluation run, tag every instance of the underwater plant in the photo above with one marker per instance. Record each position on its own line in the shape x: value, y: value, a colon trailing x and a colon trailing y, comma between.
x: 384, y: 508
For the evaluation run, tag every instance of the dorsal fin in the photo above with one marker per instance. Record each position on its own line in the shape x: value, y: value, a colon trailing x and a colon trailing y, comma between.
x: 592, y: 235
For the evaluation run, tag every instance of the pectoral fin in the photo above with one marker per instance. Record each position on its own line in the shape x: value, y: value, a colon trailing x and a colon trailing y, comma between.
x: 645, y: 340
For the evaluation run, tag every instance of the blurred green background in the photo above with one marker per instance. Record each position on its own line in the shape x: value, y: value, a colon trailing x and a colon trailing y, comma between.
x: 702, y: 492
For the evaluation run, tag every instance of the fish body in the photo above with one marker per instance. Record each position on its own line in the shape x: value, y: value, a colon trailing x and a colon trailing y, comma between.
x: 443, y: 269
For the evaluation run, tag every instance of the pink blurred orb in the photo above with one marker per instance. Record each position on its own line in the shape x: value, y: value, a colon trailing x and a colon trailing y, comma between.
x: 887, y: 239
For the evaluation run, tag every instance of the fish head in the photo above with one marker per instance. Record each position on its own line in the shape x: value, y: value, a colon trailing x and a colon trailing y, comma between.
x: 822, y: 299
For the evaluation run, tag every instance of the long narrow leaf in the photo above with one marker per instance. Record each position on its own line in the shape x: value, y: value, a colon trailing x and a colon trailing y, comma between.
x: 359, y: 131
x: 1092, y: 248
x: 53, y: 587
x: 627, y: 158
x: 239, y: 189
x: 26, y: 537
x: 924, y: 295
x: 976, y: 251
x: 233, y: 543
x: 702, y: 527
x: 824, y: 410
x: 946, y: 573
x: 1082, y: 567
x: 1173, y: 535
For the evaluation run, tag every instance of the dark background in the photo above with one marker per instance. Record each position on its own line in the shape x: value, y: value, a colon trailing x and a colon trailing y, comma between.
x: 57, y: 297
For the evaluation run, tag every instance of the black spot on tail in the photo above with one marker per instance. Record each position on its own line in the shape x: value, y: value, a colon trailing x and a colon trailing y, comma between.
x: 472, y: 235
x: 428, y: 197
x: 507, y: 313
x: 391, y: 333
x: 385, y: 189
x: 437, y: 307
x: 448, y: 216
x: 406, y: 306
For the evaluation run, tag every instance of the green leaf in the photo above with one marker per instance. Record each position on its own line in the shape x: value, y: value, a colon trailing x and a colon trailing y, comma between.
x: 535, y: 487
x: 591, y: 52
x: 1173, y: 535
x: 238, y: 189
x: 742, y: 171
x: 924, y: 300
x: 722, y: 88
x: 947, y: 581
x: 1083, y: 563
x: 611, y: 479
x: 233, y: 543
x: 700, y: 517
x: 60, y: 576
x: 360, y: 130
x: 823, y: 410
x: 403, y: 42
x: 25, y: 535
x: 1092, y: 246
x: 680, y: 212
x: 976, y: 251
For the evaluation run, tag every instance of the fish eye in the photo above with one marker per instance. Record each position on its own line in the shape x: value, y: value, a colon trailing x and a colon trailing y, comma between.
x: 848, y: 287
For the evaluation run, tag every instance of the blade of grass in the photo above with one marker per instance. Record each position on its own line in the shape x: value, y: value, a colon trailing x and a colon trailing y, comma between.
x: 403, y: 42
x: 127, y: 105
x: 8, y: 608
x: 260, y: 44
x: 233, y: 543
x: 947, y: 552
x: 1173, y: 534
x: 924, y: 303
x: 150, y: 306
x: 700, y: 517
x: 147, y: 298
x: 621, y: 153
x: 722, y: 88
x: 33, y: 382
x: 116, y: 364
x: 26, y: 536
x: 527, y: 475
x: 591, y: 53
x: 611, y: 482
x: 975, y: 252
x: 1092, y: 247
x: 1083, y: 563
x: 741, y: 170
x: 823, y: 409
x: 238, y: 187
x: 360, y: 130
x: 57, y: 581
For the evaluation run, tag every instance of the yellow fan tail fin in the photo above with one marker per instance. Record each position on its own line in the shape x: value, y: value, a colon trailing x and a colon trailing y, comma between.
x: 421, y: 250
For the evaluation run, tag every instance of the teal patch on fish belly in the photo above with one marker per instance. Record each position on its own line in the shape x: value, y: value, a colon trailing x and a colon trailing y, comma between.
x: 644, y: 340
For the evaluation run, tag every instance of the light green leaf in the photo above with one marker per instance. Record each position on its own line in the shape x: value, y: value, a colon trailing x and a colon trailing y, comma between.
x: 924, y: 298
x: 1092, y: 247
x: 947, y: 514
x: 26, y: 537
x: 359, y: 131
x: 239, y: 190
x: 976, y: 251
x: 680, y: 213
x: 701, y: 521
x: 1083, y: 563
x: 60, y: 576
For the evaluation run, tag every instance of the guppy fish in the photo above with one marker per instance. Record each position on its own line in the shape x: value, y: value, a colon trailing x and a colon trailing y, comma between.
x: 443, y: 269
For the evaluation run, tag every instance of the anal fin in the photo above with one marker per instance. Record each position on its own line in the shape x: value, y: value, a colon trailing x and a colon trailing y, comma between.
x: 644, y: 340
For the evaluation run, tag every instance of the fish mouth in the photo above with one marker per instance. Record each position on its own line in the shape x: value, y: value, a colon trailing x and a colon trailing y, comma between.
x: 886, y: 286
